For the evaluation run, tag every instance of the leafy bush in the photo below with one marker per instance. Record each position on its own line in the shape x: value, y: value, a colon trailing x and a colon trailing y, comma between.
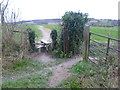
x: 71, y: 36
x: 53, y: 35
x: 73, y: 23
x: 32, y: 40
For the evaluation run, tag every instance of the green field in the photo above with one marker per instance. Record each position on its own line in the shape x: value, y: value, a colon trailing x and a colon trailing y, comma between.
x: 113, y: 32
x: 58, y: 28
x: 52, y: 27
x: 38, y: 33
x: 34, y: 28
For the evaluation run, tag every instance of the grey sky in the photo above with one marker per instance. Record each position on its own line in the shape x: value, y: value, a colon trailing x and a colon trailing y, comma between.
x: 47, y: 9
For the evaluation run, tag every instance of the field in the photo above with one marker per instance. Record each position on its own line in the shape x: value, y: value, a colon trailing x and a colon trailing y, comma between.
x: 58, y: 28
x: 18, y: 36
x: 34, y: 28
x: 113, y: 32
x: 52, y: 27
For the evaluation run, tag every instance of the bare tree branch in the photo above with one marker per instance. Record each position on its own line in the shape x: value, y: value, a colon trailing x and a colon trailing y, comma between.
x: 2, y: 1
x: 6, y: 5
x: 2, y: 10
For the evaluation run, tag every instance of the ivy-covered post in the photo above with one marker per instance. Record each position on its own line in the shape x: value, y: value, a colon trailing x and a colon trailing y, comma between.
x: 53, y: 35
x: 31, y: 40
x: 86, y: 42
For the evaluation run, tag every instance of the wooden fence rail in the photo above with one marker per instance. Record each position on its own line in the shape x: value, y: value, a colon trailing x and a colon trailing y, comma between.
x: 25, y: 32
x: 105, y: 37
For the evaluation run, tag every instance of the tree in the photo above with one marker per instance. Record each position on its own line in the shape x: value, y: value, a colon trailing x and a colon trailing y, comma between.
x: 3, y: 7
x: 72, y: 34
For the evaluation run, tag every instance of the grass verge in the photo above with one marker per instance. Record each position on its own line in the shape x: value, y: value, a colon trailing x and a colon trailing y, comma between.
x: 18, y: 67
x: 37, y: 80
x: 88, y: 75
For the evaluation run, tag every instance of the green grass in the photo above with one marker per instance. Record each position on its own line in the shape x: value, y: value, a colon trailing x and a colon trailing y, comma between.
x: 19, y: 67
x: 25, y: 65
x: 38, y: 32
x: 71, y: 82
x: 84, y: 67
x: 58, y: 28
x: 52, y: 27
x: 104, y: 31
x: 98, y: 30
x: 35, y: 80
x: 18, y: 36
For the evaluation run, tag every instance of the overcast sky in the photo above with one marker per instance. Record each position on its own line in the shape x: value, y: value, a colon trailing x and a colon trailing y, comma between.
x: 49, y: 9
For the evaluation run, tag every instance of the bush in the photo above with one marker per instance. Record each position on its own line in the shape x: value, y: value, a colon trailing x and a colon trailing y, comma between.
x: 71, y: 36
x: 54, y: 39
x: 32, y: 40
x: 73, y: 27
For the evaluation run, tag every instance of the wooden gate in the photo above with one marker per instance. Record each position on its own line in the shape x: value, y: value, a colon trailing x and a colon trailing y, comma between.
x: 104, y: 49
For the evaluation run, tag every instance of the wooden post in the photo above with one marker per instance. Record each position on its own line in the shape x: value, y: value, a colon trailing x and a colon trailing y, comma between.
x: 89, y: 41
x: 108, y: 45
x: 86, y: 42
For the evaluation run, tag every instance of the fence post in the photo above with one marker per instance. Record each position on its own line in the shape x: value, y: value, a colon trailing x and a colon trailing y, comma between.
x: 86, y: 42
x: 108, y: 45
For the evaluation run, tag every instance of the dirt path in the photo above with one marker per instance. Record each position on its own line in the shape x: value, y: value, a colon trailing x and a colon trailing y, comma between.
x: 60, y: 72
x: 42, y: 57
x: 46, y: 34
